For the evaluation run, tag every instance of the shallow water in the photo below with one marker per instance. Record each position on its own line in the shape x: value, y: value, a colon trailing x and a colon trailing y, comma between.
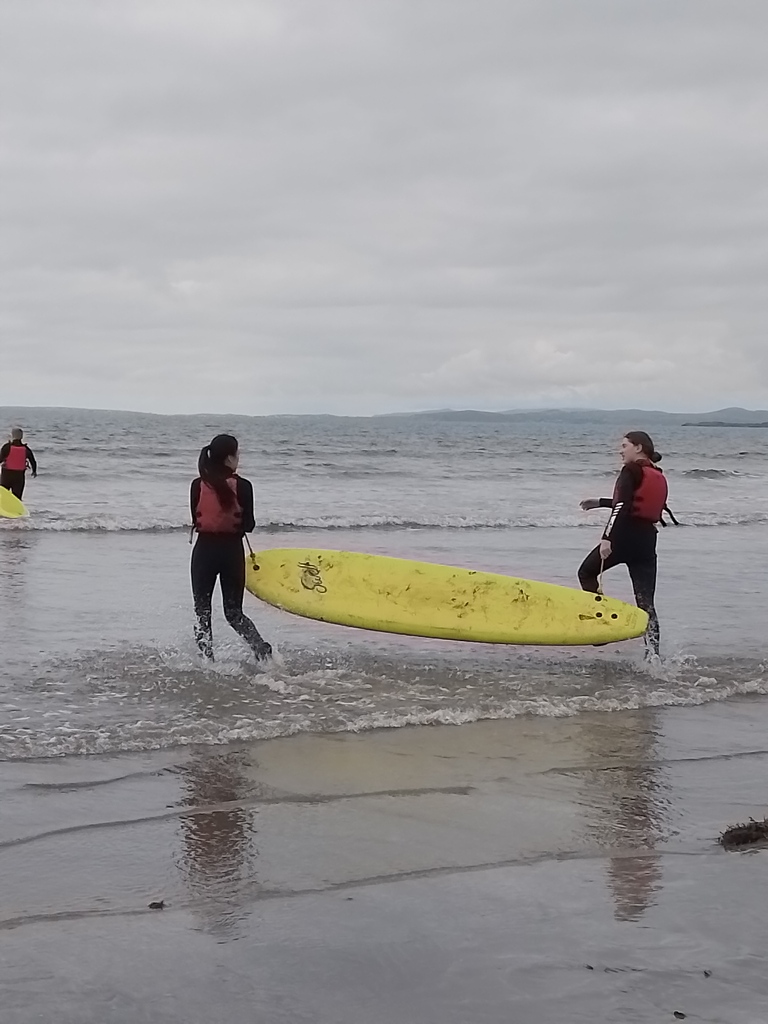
x: 96, y: 611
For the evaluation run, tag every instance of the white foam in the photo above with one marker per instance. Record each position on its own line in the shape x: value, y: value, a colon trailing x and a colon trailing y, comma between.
x: 318, y: 711
x: 69, y: 523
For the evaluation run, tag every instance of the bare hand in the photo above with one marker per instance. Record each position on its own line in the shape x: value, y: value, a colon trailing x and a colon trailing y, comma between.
x: 589, y: 504
x: 605, y: 550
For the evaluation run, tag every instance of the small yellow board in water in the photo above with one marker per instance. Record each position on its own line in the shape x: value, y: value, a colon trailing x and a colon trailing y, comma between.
x: 394, y: 595
x: 10, y: 506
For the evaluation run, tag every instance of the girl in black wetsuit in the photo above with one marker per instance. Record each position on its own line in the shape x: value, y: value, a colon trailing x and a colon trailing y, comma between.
x: 639, y: 499
x: 222, y: 512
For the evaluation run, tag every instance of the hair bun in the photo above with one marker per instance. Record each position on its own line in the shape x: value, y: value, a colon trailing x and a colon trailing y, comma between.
x: 656, y: 457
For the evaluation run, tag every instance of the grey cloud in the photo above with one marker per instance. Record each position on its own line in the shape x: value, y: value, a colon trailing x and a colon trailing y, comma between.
x: 358, y: 205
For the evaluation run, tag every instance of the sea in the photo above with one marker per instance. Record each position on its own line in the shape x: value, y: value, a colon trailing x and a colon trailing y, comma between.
x: 95, y: 605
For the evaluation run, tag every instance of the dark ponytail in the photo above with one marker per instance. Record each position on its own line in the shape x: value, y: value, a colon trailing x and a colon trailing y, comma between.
x: 213, y: 469
x: 642, y: 439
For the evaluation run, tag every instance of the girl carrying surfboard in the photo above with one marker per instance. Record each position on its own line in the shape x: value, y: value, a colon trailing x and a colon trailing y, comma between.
x: 638, y: 503
x: 221, y: 503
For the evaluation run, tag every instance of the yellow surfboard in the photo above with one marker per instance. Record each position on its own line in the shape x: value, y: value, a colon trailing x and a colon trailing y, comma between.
x: 394, y: 595
x: 10, y: 506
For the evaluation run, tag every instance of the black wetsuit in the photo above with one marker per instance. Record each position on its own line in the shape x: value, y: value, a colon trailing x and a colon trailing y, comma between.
x: 633, y: 543
x: 220, y: 556
x: 14, y: 479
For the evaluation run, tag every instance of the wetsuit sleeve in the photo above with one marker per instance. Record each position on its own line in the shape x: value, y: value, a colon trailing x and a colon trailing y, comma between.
x: 622, y: 505
x: 194, y: 498
x: 605, y: 502
x: 5, y: 451
x: 32, y: 460
x: 245, y: 499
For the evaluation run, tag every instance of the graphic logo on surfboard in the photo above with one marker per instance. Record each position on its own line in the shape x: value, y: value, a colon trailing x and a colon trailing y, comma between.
x: 311, y: 578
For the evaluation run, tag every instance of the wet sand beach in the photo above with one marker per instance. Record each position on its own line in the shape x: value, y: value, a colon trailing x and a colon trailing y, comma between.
x: 526, y: 870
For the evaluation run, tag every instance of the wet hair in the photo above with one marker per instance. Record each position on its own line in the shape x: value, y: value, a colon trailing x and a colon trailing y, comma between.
x: 213, y: 469
x: 639, y: 437
x: 16, y: 434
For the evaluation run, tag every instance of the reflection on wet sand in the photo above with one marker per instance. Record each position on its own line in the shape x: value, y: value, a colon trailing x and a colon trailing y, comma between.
x: 629, y: 805
x: 217, y: 857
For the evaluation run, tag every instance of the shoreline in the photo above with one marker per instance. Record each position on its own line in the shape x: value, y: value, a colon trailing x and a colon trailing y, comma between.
x: 181, y: 752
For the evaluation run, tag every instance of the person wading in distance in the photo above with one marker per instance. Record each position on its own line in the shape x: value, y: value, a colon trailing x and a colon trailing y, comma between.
x: 15, y: 458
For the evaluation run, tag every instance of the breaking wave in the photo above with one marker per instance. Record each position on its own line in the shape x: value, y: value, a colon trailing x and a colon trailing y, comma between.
x: 711, y: 474
x: 165, y: 699
x: 139, y: 524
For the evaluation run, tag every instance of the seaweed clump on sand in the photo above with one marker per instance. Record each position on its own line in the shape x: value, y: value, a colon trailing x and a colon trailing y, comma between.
x: 744, y: 835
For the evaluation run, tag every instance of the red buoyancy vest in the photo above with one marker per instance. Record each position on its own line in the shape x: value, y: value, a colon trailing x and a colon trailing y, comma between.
x: 210, y: 514
x: 651, y: 494
x: 17, y: 458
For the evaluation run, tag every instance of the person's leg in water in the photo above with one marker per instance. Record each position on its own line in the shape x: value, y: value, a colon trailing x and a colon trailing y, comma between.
x: 13, y: 480
x: 232, y: 590
x: 591, y: 567
x: 642, y: 572
x: 205, y: 569
x: 590, y: 571
x: 641, y: 562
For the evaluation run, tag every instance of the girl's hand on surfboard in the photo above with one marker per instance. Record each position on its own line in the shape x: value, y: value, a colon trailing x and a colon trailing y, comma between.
x: 605, y: 550
x: 589, y: 504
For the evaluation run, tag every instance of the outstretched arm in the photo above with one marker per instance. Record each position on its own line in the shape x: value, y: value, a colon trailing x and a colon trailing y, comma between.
x: 592, y: 503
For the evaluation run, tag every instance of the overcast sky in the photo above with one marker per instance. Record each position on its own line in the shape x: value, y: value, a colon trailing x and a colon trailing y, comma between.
x: 360, y: 206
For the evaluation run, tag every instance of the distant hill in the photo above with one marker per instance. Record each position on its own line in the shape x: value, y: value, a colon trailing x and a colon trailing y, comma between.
x: 723, y: 423
x: 730, y: 418
x: 625, y: 417
x: 472, y: 415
